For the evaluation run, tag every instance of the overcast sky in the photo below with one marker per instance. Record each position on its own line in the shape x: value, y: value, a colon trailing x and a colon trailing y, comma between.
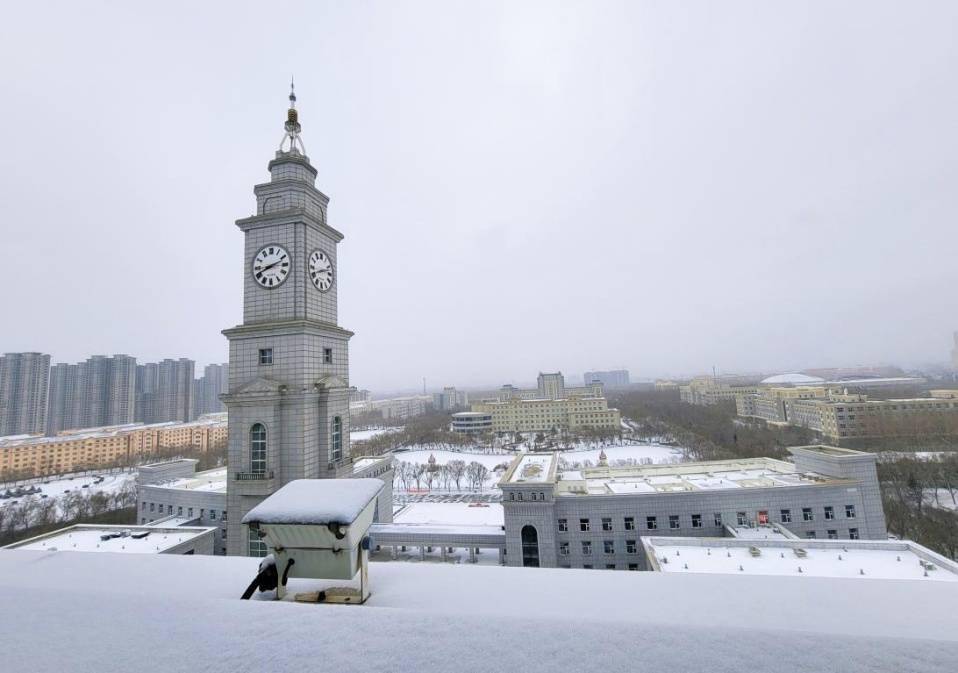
x: 664, y: 186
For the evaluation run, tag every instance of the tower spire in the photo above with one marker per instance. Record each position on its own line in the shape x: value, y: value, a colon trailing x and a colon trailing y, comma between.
x: 292, y: 125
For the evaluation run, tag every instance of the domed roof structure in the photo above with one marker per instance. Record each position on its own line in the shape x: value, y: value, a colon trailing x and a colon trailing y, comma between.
x: 794, y: 379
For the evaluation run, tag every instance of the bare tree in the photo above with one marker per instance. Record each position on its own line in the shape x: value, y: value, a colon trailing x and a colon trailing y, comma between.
x: 457, y: 468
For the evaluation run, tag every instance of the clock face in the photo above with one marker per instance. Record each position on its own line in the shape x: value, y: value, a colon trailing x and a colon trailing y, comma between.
x: 271, y: 266
x: 321, y: 270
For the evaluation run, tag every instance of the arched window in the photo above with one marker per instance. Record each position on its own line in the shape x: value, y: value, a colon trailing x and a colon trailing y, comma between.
x: 257, y: 448
x: 530, y: 547
x: 336, y: 450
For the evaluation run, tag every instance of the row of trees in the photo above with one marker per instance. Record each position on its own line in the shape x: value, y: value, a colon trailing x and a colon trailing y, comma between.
x: 33, y: 511
x: 920, y: 497
x: 455, y: 472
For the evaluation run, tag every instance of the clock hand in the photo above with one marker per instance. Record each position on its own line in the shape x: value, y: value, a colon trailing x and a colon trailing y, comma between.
x: 267, y: 268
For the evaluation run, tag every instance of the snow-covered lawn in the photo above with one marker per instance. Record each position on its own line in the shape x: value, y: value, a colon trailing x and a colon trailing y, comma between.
x: 944, y: 500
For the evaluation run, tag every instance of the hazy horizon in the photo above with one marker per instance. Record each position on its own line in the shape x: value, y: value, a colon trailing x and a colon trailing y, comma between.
x: 665, y: 187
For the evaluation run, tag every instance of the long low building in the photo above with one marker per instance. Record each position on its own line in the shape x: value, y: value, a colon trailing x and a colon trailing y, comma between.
x: 839, y: 415
x: 166, y: 539
x: 593, y: 518
x: 91, y: 448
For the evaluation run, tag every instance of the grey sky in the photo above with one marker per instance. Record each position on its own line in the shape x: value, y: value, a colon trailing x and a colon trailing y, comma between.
x: 522, y: 187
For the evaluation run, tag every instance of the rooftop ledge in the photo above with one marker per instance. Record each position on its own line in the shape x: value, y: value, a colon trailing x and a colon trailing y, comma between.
x: 76, y: 611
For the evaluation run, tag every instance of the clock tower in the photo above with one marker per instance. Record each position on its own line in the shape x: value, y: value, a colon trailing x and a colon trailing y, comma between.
x: 288, y: 401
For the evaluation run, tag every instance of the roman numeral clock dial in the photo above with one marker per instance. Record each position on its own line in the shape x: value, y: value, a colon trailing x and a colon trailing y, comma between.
x: 321, y: 270
x: 271, y: 266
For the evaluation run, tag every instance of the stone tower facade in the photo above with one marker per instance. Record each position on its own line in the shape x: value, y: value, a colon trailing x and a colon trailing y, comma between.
x: 288, y: 398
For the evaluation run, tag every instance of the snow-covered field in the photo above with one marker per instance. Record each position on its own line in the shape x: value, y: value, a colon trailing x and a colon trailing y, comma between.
x: 944, y: 499
x: 363, y: 435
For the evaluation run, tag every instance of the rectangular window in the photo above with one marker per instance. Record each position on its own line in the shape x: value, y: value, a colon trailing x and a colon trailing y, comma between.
x: 742, y: 518
x: 610, y: 566
x: 169, y: 509
x: 257, y: 546
x: 852, y: 533
x: 587, y: 566
x: 584, y: 525
x: 673, y: 521
x: 630, y: 547
x: 651, y: 523
x: 608, y: 546
x: 144, y: 505
x: 630, y: 523
x: 189, y: 512
x: 179, y: 511
x: 633, y: 566
x: 151, y: 506
x: 696, y: 521
x: 563, y: 525
x: 586, y: 548
x: 849, y: 511
x: 718, y: 519
x: 606, y: 524
x: 564, y: 548
x: 336, y: 452
x: 224, y: 515
x: 327, y: 356
x: 213, y: 514
x: 807, y: 514
x: 832, y: 534
x: 810, y: 535
x: 829, y: 513
x: 266, y: 356
x: 786, y: 516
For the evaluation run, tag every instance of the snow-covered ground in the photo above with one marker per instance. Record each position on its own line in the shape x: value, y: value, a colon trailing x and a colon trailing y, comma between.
x: 363, y: 435
x: 944, y: 499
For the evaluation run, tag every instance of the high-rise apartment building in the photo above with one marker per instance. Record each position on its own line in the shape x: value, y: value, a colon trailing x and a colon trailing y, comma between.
x: 164, y: 391
x: 450, y: 399
x: 208, y: 388
x: 94, y: 393
x: 24, y: 379
x: 616, y: 378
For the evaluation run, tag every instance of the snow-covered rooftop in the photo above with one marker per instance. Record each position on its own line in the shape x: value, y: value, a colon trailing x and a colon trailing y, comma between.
x: 119, y: 539
x: 80, y: 612
x: 853, y: 559
x: 451, y: 513
x: 532, y: 469
x: 682, y: 477
x: 316, y: 501
x: 793, y: 378
x: 210, y: 480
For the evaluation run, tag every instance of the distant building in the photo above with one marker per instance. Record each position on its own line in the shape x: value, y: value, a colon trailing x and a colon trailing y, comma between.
x: 666, y: 385
x: 954, y: 354
x: 471, y: 422
x: 98, y: 392
x: 24, y: 380
x: 708, y: 390
x: 395, y: 408
x: 450, y: 399
x: 593, y: 518
x: 616, y: 378
x: 550, y: 406
x: 841, y: 415
x: 208, y: 388
x: 357, y: 395
x: 89, y: 448
x: 164, y: 391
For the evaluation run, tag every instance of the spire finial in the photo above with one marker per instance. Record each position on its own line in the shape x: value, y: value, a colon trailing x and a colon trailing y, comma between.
x: 292, y: 124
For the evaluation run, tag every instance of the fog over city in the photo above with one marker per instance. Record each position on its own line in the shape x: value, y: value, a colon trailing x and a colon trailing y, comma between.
x: 660, y: 186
